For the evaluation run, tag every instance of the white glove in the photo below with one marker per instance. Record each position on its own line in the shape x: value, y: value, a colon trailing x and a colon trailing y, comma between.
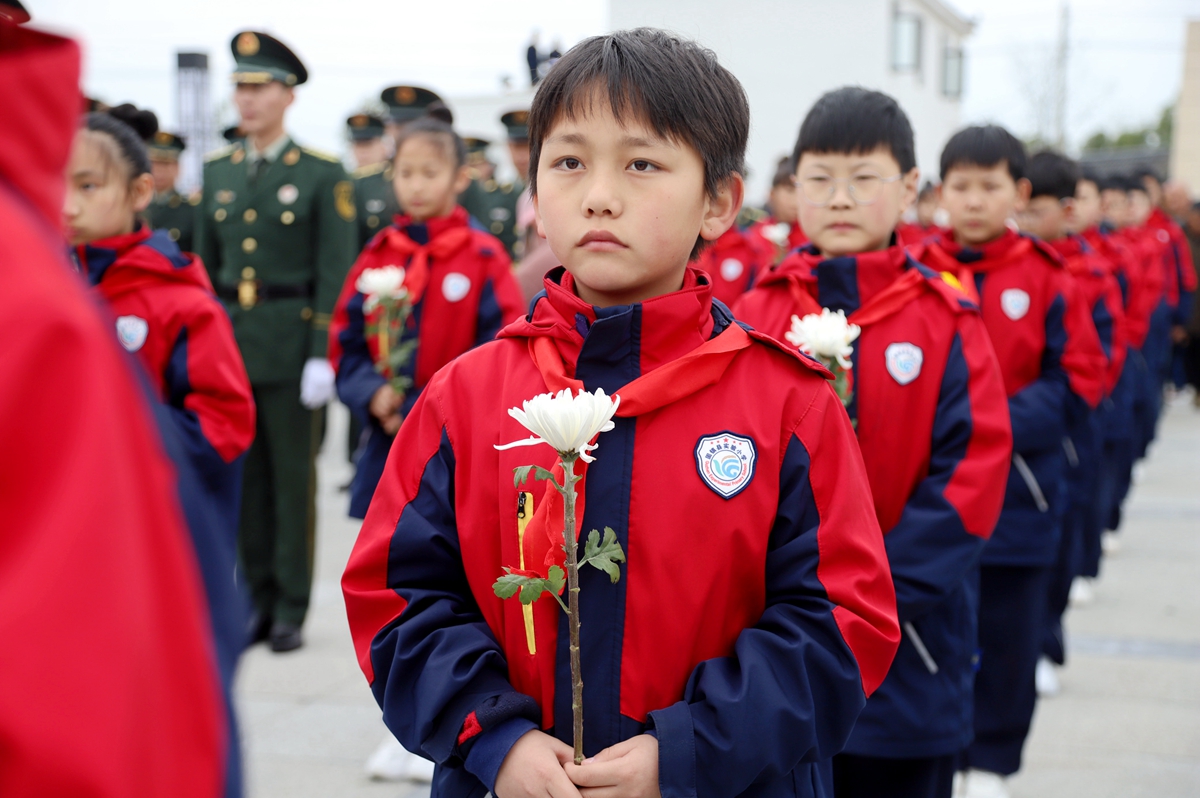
x: 317, y: 387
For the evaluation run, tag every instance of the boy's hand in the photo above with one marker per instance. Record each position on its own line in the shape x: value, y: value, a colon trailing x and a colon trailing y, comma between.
x: 627, y: 770
x: 384, y: 405
x: 534, y: 769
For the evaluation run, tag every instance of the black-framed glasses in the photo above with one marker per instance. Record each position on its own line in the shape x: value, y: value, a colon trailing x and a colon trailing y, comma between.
x: 864, y: 188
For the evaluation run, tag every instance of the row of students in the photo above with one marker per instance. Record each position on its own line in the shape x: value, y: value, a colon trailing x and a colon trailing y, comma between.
x: 982, y: 351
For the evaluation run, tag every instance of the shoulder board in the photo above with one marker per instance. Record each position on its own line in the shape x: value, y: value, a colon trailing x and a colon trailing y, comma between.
x: 368, y: 171
x: 324, y: 156
x: 224, y: 152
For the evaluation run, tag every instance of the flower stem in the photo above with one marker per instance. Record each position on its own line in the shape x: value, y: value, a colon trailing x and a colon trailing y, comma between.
x: 572, y: 549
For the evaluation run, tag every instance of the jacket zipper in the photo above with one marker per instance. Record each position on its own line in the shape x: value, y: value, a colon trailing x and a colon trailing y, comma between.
x: 1031, y: 482
x: 524, y: 514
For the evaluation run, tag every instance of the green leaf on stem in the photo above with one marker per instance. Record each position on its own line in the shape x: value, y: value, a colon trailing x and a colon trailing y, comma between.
x: 520, y: 474
x: 541, y: 473
x: 604, y: 554
x: 557, y: 579
x: 531, y: 587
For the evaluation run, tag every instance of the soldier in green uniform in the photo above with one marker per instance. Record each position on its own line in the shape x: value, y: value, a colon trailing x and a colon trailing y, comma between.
x: 276, y: 230
x: 170, y: 210
x: 373, y: 178
x: 493, y: 204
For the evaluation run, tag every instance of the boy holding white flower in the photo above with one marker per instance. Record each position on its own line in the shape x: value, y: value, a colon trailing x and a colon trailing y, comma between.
x: 754, y: 612
x: 424, y: 290
x: 919, y: 378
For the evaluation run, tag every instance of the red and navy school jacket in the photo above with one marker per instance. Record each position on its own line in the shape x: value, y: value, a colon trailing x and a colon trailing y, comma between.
x: 932, y: 423
x: 110, y: 686
x: 755, y: 612
x: 916, y: 234
x: 464, y: 292
x: 796, y: 239
x: 166, y: 314
x: 1180, y: 282
x: 732, y: 262
x: 1102, y: 292
x: 1127, y: 269
x: 1053, y: 369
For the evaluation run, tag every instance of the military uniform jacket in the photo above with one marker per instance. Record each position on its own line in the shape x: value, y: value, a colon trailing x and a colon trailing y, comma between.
x: 376, y: 200
x: 494, y: 206
x: 288, y: 238
x: 175, y: 213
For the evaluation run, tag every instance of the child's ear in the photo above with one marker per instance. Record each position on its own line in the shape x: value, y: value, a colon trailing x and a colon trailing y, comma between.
x: 720, y: 212
x: 141, y: 192
x: 911, y: 179
x: 1024, y: 189
x: 537, y: 217
x: 462, y: 180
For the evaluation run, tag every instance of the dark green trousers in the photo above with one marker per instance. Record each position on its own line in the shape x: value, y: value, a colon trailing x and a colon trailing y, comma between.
x: 279, y: 516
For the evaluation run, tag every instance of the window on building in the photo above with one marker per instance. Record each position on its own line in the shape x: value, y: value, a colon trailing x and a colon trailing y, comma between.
x: 906, y: 41
x: 952, y: 71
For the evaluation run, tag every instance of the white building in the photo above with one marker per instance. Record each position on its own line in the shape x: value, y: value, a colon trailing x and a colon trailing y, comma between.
x: 787, y: 53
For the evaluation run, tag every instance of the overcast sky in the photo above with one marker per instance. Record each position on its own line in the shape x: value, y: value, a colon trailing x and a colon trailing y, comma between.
x: 1125, y: 55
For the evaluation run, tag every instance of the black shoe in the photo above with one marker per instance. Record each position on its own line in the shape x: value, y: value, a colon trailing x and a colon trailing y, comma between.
x: 285, y: 637
x: 258, y: 627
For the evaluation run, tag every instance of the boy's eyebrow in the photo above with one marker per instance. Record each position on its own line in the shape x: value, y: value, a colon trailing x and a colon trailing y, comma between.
x: 578, y: 139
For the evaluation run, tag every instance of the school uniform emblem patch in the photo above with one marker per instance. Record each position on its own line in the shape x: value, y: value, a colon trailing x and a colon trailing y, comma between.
x: 131, y: 332
x: 904, y: 361
x: 726, y: 462
x: 1015, y: 303
x: 456, y: 286
x: 732, y: 268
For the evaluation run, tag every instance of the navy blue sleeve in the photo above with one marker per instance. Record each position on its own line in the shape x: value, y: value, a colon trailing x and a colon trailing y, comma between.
x: 1104, y: 326
x: 490, y: 318
x: 792, y: 690
x: 222, y: 481
x: 357, y: 379
x: 438, y: 662
x: 929, y: 549
x: 1038, y: 411
x: 1183, y: 312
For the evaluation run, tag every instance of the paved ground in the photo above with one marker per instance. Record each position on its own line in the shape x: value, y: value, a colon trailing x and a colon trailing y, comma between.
x: 1126, y: 725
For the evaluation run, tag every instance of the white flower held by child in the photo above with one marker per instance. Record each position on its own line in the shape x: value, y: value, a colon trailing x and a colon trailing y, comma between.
x: 567, y: 423
x: 382, y: 283
x: 827, y: 336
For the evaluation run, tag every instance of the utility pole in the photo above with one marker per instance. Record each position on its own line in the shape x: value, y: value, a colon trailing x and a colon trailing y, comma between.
x: 1060, y: 77
x: 195, y: 119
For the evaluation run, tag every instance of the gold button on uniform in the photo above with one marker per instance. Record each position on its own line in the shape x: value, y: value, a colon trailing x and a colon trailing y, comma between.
x: 372, y: 221
x: 249, y: 245
x: 250, y: 215
x: 247, y: 273
x: 288, y: 217
x: 173, y: 233
x: 497, y: 227
x: 220, y: 215
x: 306, y: 314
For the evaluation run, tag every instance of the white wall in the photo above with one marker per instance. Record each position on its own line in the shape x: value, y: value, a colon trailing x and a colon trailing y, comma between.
x: 788, y: 52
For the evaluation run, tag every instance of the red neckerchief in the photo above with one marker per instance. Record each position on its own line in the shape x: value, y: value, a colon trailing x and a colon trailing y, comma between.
x: 798, y: 270
x: 998, y: 253
x: 670, y: 382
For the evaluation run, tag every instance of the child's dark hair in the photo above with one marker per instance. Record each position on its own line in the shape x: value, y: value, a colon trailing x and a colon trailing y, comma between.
x: 1114, y: 183
x: 1052, y: 174
x: 436, y: 130
x: 856, y: 121
x: 128, y: 128
x: 785, y: 172
x: 984, y: 146
x: 1134, y: 183
x: 1147, y: 172
x: 1089, y: 175
x: 671, y: 84
x: 928, y: 191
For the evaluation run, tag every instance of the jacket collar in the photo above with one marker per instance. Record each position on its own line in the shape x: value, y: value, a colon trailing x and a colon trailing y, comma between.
x: 624, y: 341
x: 96, y: 257
x: 422, y: 233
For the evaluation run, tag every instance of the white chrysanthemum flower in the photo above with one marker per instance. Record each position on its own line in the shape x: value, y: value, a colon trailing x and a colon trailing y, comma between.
x: 564, y: 422
x: 826, y: 335
x: 386, y: 282
x: 777, y: 234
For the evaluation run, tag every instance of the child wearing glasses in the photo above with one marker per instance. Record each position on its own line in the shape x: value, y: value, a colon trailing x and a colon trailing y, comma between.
x: 1053, y: 369
x: 929, y: 409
